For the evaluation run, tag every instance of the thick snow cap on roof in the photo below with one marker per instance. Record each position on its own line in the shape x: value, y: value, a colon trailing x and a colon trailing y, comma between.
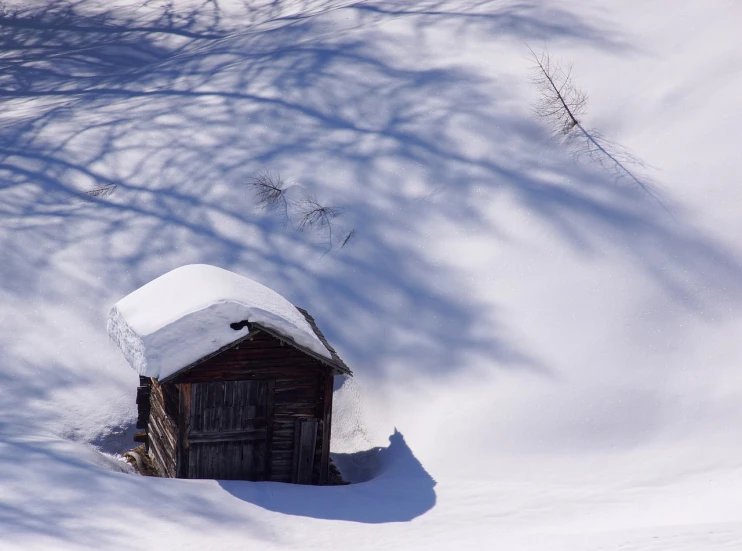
x: 185, y: 315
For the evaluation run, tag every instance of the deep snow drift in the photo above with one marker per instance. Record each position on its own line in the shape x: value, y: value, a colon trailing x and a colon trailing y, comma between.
x: 545, y: 357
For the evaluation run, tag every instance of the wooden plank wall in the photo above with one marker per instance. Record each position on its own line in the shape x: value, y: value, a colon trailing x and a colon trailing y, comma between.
x: 305, y: 442
x: 295, y: 401
x: 263, y: 357
x: 184, y: 423
x: 162, y: 428
x: 324, y: 412
x: 299, y: 393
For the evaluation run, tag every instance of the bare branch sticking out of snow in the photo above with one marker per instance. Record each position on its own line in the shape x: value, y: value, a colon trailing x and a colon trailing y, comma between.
x: 313, y: 215
x: 350, y: 235
x: 561, y: 104
x: 270, y: 191
x: 102, y: 191
x: 307, y: 212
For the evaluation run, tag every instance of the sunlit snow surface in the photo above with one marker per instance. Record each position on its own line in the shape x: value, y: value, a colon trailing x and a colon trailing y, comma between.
x: 185, y: 315
x: 545, y: 357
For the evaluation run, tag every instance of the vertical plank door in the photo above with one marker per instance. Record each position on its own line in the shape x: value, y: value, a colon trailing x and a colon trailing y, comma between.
x: 305, y: 445
x: 228, y: 431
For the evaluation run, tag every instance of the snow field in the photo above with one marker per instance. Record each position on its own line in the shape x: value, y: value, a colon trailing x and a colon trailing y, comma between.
x: 544, y: 357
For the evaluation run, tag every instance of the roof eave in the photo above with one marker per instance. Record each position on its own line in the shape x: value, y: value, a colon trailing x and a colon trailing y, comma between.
x: 338, y: 368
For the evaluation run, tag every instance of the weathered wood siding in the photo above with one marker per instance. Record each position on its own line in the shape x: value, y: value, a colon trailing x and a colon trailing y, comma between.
x: 228, y: 430
x: 143, y: 406
x: 262, y: 357
x: 324, y: 430
x: 293, y: 392
x: 296, y: 400
x: 162, y: 428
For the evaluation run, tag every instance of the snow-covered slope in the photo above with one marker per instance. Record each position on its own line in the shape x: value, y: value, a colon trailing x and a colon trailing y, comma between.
x: 545, y: 356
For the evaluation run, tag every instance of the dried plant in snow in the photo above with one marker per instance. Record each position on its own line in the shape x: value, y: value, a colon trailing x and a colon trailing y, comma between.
x: 350, y: 235
x: 561, y: 104
x: 102, y: 191
x: 313, y: 215
x: 307, y: 213
x: 269, y: 191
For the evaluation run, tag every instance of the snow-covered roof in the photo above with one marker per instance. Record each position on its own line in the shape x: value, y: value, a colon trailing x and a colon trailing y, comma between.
x: 185, y: 315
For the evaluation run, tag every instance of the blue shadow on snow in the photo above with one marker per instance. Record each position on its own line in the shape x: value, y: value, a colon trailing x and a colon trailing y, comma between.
x: 392, y: 486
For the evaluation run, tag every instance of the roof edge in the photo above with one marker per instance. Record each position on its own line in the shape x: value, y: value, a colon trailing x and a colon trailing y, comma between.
x: 318, y: 333
x: 337, y: 365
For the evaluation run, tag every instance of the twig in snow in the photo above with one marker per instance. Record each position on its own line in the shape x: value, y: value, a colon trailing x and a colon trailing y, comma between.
x: 351, y: 234
x: 313, y: 215
x: 308, y: 213
x: 269, y: 191
x: 101, y: 191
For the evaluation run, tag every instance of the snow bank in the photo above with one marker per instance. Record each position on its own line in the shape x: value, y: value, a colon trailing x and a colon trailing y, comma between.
x: 184, y: 315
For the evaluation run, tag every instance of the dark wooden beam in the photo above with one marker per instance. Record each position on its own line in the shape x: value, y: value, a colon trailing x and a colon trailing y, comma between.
x: 226, y: 436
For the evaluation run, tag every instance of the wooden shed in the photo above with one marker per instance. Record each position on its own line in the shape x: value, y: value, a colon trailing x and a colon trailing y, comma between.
x: 256, y: 408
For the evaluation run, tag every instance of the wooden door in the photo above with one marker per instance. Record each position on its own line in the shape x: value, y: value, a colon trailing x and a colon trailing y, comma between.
x: 229, y: 430
x: 305, y: 448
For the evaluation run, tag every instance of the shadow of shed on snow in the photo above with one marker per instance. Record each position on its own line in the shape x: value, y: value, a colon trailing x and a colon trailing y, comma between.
x: 392, y: 486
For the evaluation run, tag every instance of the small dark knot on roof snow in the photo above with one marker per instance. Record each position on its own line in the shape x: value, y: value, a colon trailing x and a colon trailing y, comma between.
x: 240, y: 324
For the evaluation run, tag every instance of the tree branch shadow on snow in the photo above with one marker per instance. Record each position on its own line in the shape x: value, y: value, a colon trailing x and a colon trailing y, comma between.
x: 84, y: 109
x: 42, y: 177
x: 387, y: 485
x: 60, y: 494
x: 179, y: 124
x: 52, y: 486
x: 491, y: 17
